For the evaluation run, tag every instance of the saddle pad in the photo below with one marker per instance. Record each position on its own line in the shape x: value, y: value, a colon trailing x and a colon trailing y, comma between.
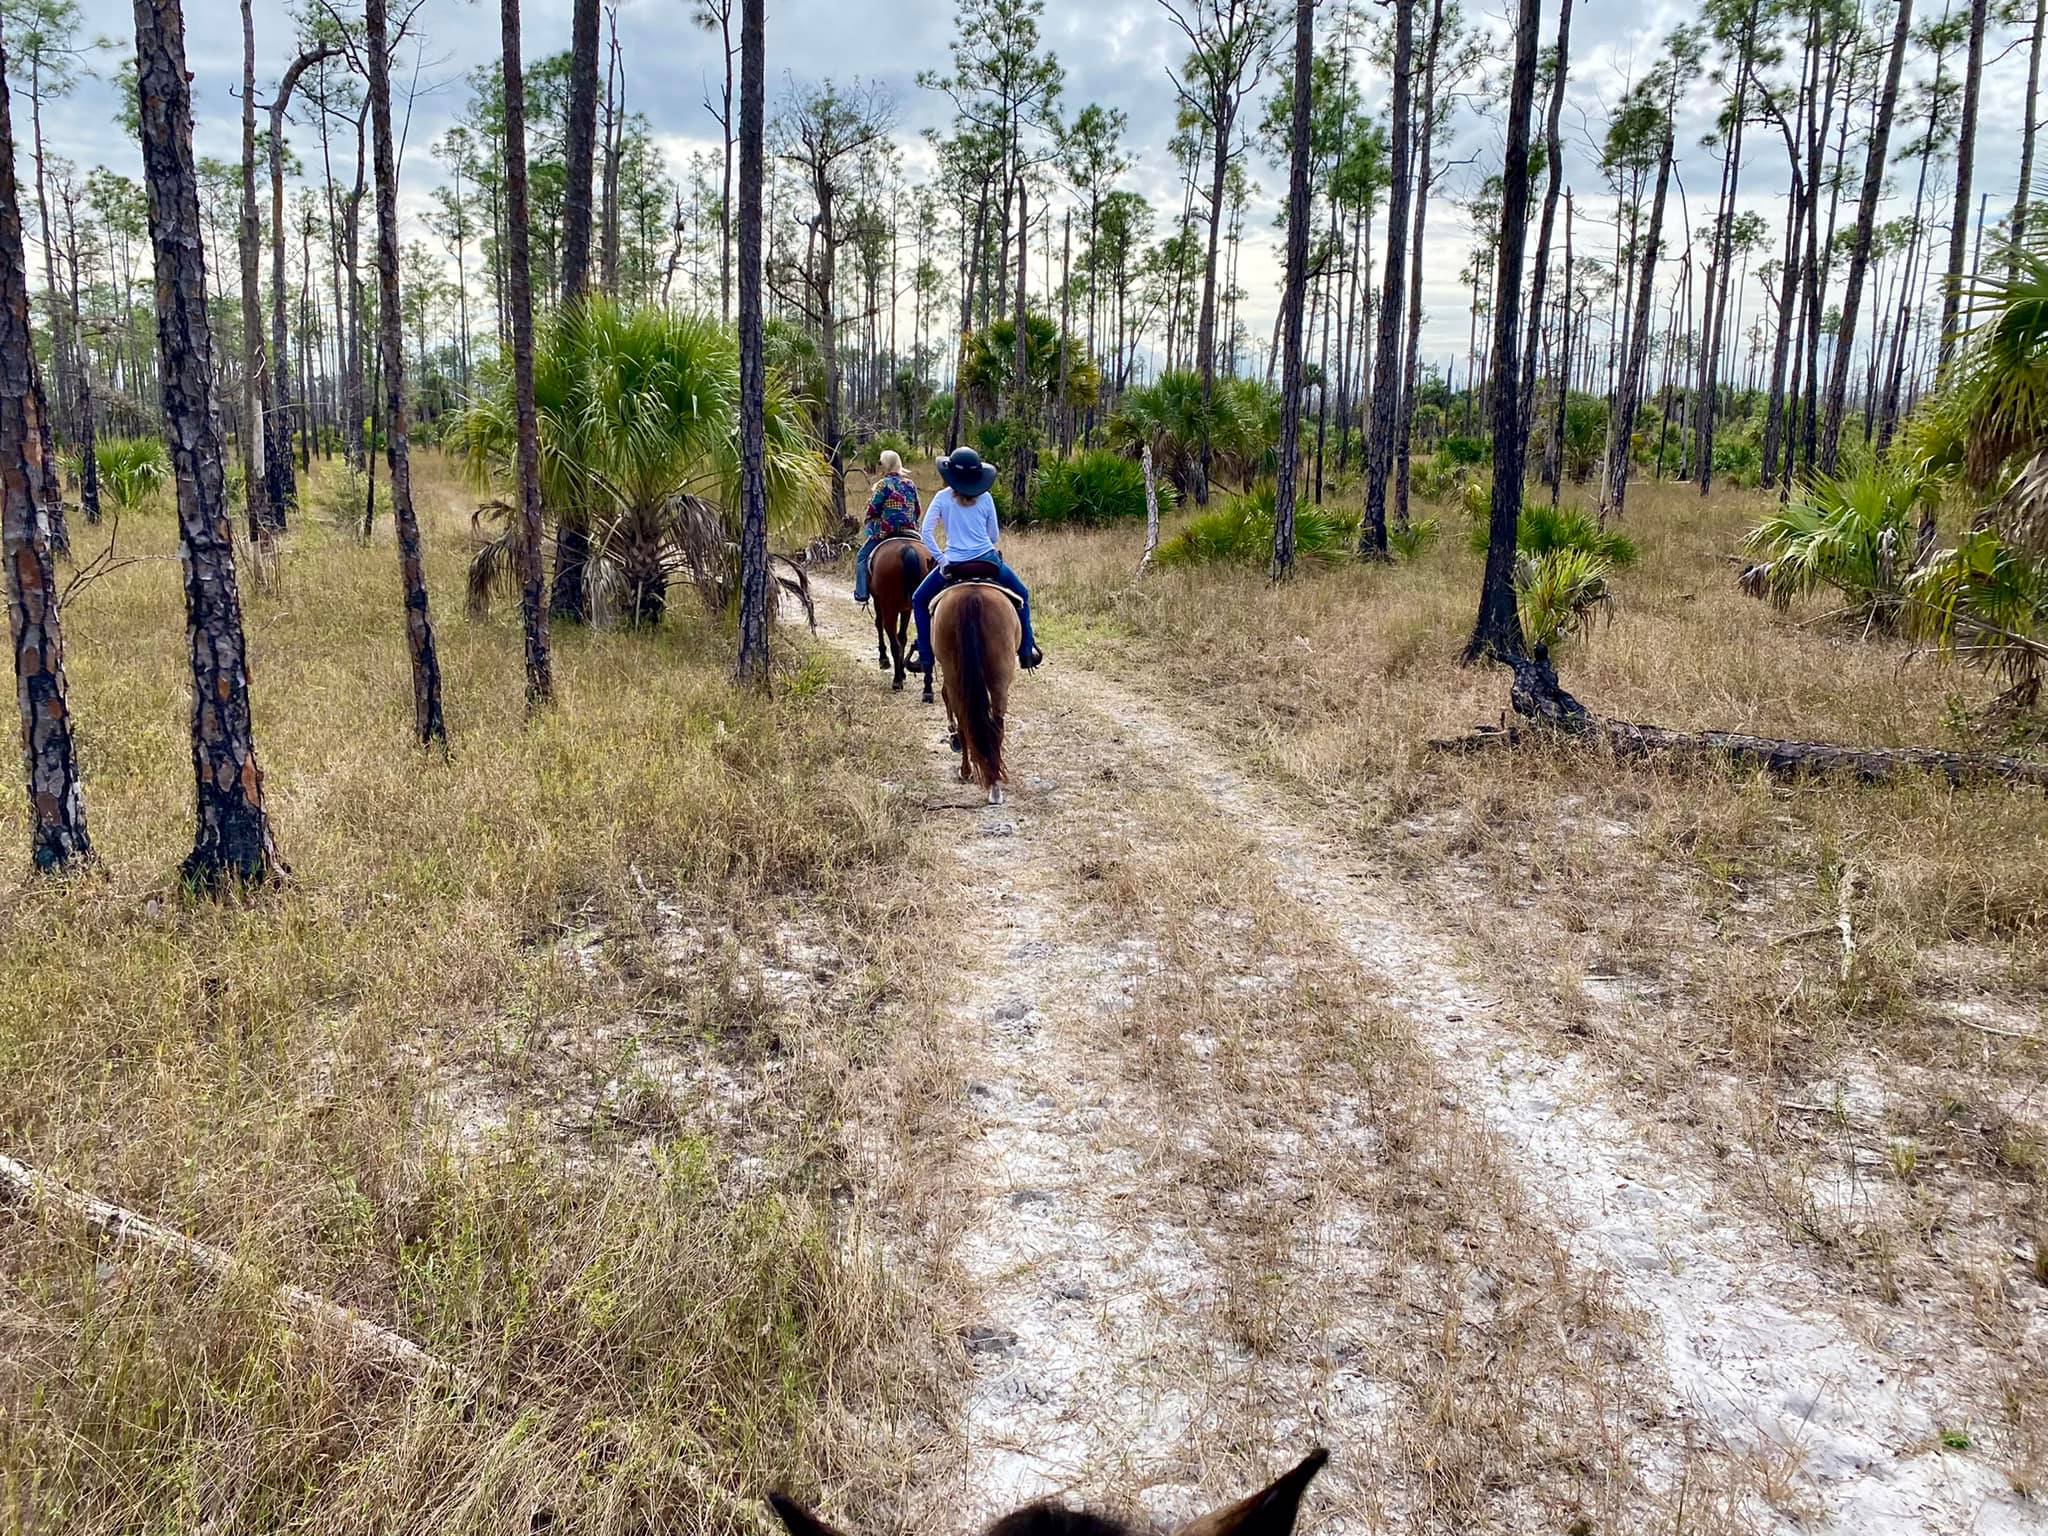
x: 994, y: 586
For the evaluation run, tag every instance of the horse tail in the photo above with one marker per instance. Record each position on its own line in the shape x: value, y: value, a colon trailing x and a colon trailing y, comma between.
x: 984, y: 729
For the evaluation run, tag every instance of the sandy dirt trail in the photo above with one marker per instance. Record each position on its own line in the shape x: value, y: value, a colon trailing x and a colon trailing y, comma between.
x: 1100, y: 1357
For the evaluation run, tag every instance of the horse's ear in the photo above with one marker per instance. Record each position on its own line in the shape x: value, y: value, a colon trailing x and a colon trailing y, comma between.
x: 1269, y: 1512
x: 797, y: 1519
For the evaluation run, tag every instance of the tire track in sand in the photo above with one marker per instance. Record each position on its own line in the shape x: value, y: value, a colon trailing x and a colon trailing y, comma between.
x: 1844, y: 1405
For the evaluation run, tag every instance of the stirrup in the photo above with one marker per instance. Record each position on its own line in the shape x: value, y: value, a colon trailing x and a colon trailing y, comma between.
x: 1027, y: 659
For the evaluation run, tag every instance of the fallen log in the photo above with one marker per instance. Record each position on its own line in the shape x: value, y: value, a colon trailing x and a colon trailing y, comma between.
x: 21, y: 1182
x: 1539, y: 698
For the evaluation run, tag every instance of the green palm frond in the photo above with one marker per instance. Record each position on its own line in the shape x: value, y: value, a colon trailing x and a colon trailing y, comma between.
x: 1558, y: 591
x: 638, y: 413
x: 1854, y: 534
x: 1985, y: 602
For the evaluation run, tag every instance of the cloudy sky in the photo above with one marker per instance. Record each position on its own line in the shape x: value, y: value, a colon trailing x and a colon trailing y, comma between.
x: 1114, y: 51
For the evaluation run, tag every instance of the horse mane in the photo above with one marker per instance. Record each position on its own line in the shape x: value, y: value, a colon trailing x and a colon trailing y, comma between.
x: 983, y: 730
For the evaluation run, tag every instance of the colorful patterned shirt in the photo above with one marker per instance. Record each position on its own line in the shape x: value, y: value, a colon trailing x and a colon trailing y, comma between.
x: 893, y: 506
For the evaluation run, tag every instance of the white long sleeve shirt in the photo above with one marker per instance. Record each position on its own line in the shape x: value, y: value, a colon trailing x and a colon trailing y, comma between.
x: 969, y: 526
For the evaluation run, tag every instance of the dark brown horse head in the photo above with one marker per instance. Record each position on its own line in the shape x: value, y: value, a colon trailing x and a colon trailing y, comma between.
x: 1269, y: 1512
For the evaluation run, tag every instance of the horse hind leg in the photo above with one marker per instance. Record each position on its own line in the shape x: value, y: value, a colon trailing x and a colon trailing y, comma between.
x: 881, y: 637
x: 897, y: 646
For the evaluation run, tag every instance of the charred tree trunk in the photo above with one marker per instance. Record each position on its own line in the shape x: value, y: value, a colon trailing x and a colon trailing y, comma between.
x: 1497, y: 632
x: 1553, y: 155
x: 1411, y: 367
x: 752, y: 666
x: 428, y: 722
x: 1538, y: 697
x: 1020, y: 457
x: 1287, y: 485
x: 1866, y: 227
x: 232, y: 844
x: 1622, y: 423
x: 1386, y: 383
x: 1966, y: 160
x: 284, y: 491
x: 579, y: 141
x: 255, y: 364
x: 56, y: 801
x: 350, y: 342
x: 533, y: 613
x: 2032, y: 126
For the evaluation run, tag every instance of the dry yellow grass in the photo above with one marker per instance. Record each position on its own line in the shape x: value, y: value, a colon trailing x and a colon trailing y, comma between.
x: 542, y: 1057
x: 1679, y: 924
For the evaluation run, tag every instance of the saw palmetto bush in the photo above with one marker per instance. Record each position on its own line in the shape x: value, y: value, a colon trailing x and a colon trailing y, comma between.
x: 1092, y: 490
x: 1239, y: 422
x: 639, y: 422
x: 1985, y: 602
x: 132, y: 470
x: 1241, y: 530
x: 1559, y: 590
x: 1854, y: 534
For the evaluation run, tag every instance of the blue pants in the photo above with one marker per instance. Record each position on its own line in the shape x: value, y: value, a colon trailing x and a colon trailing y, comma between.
x: 921, y: 606
x: 867, y: 554
x: 860, y: 567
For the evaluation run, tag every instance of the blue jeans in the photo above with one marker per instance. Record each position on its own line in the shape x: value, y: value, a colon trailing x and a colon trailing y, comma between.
x: 860, y: 568
x: 921, y: 607
x: 876, y: 533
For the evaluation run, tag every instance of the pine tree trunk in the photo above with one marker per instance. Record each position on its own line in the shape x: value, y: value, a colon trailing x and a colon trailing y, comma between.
x: 1020, y: 375
x: 1866, y: 227
x: 752, y: 666
x: 232, y: 844
x: 578, y: 150
x: 57, y: 418
x: 1717, y: 274
x: 255, y: 364
x: 533, y: 613
x: 1386, y: 383
x: 1553, y: 155
x: 1292, y: 293
x: 1411, y: 367
x: 1621, y: 424
x: 1497, y: 631
x: 2033, y: 124
x: 284, y: 491
x: 1966, y: 160
x: 351, y: 340
x: 428, y: 722
x: 614, y: 147
x: 58, y: 838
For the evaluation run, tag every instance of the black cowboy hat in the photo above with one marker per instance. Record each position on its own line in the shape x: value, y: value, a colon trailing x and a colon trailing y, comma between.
x: 963, y: 470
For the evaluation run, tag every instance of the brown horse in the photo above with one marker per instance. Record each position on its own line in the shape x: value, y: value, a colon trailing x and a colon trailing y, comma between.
x: 1269, y: 1512
x: 894, y: 570
x: 975, y: 633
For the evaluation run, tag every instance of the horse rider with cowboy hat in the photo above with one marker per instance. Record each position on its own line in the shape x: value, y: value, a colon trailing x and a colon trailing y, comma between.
x: 966, y: 514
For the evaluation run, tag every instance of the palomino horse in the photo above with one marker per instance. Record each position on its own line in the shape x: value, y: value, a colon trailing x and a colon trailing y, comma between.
x: 894, y: 570
x: 1269, y: 1512
x: 975, y: 633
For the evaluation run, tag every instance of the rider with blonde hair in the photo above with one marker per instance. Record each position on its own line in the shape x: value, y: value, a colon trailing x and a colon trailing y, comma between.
x: 892, y: 513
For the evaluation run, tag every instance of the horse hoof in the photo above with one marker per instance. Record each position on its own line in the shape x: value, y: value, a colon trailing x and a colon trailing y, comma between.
x: 897, y: 686
x: 953, y: 741
x: 995, y: 794
x: 883, y: 663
